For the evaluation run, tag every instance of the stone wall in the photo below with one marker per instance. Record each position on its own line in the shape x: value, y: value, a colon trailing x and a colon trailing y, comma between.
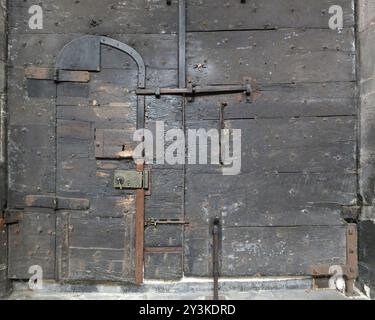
x: 366, y: 37
x: 3, y: 175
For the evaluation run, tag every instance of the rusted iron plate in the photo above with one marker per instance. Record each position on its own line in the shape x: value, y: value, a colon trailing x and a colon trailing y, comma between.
x: 80, y: 54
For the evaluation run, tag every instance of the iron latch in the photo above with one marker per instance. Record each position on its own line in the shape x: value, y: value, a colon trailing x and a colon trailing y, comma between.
x: 156, y: 222
x: 191, y: 90
x: 131, y: 179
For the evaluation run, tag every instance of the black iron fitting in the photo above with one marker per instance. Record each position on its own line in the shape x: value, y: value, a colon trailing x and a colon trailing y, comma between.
x: 215, y: 229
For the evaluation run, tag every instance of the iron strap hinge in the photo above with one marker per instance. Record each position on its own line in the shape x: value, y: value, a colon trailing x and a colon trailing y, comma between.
x: 131, y: 179
x: 38, y: 73
x: 56, y: 203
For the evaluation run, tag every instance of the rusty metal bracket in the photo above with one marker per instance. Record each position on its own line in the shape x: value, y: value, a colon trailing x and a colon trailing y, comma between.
x: 11, y: 217
x: 351, y: 213
x: 350, y: 269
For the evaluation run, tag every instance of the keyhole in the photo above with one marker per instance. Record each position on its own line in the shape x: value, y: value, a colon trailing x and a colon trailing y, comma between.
x: 120, y: 181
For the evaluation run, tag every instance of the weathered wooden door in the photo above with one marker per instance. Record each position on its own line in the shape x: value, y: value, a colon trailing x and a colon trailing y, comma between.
x: 282, y: 215
x: 97, y: 113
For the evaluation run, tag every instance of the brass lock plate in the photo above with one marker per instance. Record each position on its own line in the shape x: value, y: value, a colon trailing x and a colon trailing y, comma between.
x: 131, y: 179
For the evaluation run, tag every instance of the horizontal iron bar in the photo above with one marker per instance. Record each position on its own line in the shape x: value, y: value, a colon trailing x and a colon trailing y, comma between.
x: 193, y: 90
x: 155, y: 222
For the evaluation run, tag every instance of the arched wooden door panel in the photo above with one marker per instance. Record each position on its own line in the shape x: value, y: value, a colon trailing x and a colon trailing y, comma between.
x: 96, y: 119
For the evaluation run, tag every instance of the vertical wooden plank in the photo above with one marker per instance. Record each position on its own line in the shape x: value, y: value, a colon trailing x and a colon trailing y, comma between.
x: 62, y: 246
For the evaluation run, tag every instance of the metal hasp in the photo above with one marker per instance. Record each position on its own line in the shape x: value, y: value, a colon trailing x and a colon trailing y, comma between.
x: 215, y: 256
x: 350, y: 269
x: 131, y: 179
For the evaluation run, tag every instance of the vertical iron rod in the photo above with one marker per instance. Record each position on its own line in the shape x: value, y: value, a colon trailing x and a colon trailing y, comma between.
x: 139, y: 231
x: 215, y: 258
x: 182, y: 76
x: 182, y: 43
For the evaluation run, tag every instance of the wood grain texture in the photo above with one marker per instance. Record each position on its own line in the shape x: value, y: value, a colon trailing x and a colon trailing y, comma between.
x: 209, y: 15
x: 142, y: 16
x: 139, y: 16
x: 276, y: 56
x: 280, y: 101
x: 163, y: 266
x: 32, y: 242
x: 266, y: 251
